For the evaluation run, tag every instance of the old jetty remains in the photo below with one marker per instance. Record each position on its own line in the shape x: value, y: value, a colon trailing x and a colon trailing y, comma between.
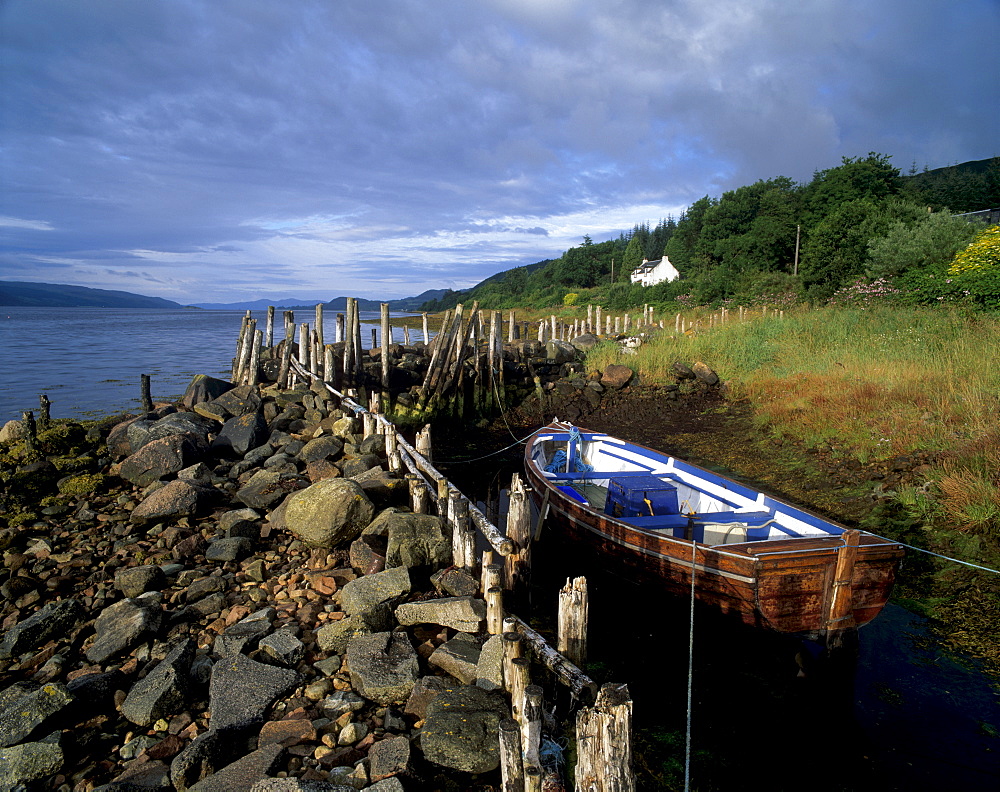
x: 268, y: 586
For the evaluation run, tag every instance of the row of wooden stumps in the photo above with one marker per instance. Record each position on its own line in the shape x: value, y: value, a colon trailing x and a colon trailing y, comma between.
x: 603, y: 729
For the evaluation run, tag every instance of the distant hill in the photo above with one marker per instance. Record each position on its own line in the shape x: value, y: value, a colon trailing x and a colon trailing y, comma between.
x: 336, y: 304
x: 53, y: 295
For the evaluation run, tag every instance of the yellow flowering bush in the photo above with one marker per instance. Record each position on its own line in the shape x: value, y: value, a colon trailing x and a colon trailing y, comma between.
x: 982, y: 253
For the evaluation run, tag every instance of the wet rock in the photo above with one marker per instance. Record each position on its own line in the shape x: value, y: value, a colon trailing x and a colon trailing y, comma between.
x: 122, y: 626
x: 27, y: 762
x: 328, y: 513
x: 24, y: 708
x: 461, y: 729
x: 240, y: 434
x: 383, y: 666
x: 464, y: 614
x: 458, y: 657
x: 174, y: 500
x: 133, y: 581
x: 242, y: 690
x: 56, y: 619
x: 163, y: 691
x: 368, y: 591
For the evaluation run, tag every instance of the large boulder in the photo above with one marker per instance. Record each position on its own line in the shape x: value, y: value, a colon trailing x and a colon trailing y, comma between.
x: 124, y: 625
x: 266, y: 488
x: 55, y: 619
x: 242, y: 691
x: 616, y: 376
x: 203, y: 388
x: 176, y: 499
x: 329, y: 512
x: 367, y: 591
x: 163, y: 691
x: 559, y: 352
x: 383, y: 666
x: 162, y: 457
x: 462, y: 729
x: 240, y: 434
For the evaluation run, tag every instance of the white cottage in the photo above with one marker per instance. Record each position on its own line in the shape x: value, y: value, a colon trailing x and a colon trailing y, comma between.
x: 649, y: 273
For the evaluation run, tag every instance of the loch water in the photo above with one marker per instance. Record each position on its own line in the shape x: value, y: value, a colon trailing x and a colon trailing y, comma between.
x: 89, y: 361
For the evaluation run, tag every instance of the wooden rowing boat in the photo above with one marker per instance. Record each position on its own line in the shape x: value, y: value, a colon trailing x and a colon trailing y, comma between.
x: 655, y: 516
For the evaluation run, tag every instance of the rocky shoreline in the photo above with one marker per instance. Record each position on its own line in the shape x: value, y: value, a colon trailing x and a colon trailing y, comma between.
x: 231, y: 593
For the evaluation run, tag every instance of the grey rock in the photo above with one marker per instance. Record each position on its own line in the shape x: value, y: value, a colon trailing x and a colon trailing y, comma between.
x: 416, y: 540
x: 456, y: 582
x: 328, y: 513
x: 124, y: 625
x: 133, y: 581
x: 27, y: 762
x: 231, y: 549
x: 283, y: 647
x: 243, y: 773
x: 206, y: 606
x: 340, y: 702
x: 298, y: 785
x: 241, y: 400
x: 326, y: 447
x: 424, y: 691
x: 585, y: 342
x: 266, y: 487
x: 355, y: 468
x: 240, y: 434
x: 559, y: 352
x: 461, y: 729
x: 163, y: 691
x: 55, y: 619
x: 616, y: 376
x: 389, y: 758
x: 459, y: 657
x: 211, y: 584
x: 195, y: 426
x: 386, y: 785
x: 161, y: 457
x: 246, y: 633
x: 365, y: 592
x: 242, y: 690
x: 174, y: 500
x: 383, y: 666
x: 489, y: 670
x: 24, y: 709
x: 204, y: 755
x: 203, y: 388
x: 464, y: 614
x: 705, y: 374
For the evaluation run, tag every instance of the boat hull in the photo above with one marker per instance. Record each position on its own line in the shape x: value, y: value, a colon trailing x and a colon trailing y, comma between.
x: 786, y: 585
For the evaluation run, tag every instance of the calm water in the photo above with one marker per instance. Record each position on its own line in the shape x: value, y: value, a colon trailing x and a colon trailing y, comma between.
x: 88, y: 361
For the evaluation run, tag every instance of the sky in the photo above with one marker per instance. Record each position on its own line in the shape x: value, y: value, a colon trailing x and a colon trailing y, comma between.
x: 227, y: 150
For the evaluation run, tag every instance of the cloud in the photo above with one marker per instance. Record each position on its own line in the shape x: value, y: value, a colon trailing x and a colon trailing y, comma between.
x: 244, y: 148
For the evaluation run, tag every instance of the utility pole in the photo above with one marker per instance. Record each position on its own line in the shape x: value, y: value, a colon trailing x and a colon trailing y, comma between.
x: 795, y: 266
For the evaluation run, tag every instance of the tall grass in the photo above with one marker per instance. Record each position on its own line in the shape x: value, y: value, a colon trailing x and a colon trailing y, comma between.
x: 872, y: 384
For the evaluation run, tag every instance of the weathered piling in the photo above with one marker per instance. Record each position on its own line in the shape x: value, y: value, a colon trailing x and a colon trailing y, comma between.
x: 44, y: 412
x: 30, y: 432
x: 269, y: 333
x: 572, y: 620
x: 144, y: 390
x: 511, y: 764
x: 604, y: 742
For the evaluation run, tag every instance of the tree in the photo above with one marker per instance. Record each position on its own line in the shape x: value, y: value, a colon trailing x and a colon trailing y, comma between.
x: 871, y: 177
x: 932, y: 240
x: 633, y: 256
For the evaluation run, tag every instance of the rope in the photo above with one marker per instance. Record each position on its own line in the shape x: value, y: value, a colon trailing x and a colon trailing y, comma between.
x: 936, y: 555
x: 687, y: 733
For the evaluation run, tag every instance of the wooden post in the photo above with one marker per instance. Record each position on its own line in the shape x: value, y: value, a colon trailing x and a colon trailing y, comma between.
x: 513, y: 646
x: 423, y: 319
x: 604, y: 742
x: 329, y: 368
x: 338, y: 330
x: 386, y: 340
x: 349, y: 350
x: 392, y: 451
x: 286, y: 353
x: 492, y: 573
x: 458, y: 515
x: 423, y: 443
x: 533, y: 778
x: 304, y: 346
x: 269, y: 333
x: 515, y: 684
x: 494, y: 610
x: 573, y: 613
x: 44, y: 412
x: 374, y: 339
x: 253, y: 368
x: 147, y: 399
x: 419, y: 496
x: 406, y: 335
x: 30, y: 432
x: 511, y: 764
x: 319, y: 361
x: 841, y: 614
x: 518, y: 564
x: 443, y: 499
x: 531, y: 728
x: 511, y: 328
x: 359, y: 368
x: 234, y: 373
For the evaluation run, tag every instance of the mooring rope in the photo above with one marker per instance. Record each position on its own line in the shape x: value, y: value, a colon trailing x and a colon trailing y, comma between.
x: 936, y: 555
x: 687, y: 733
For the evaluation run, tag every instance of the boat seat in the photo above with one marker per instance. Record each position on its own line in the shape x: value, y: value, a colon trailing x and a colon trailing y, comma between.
x: 568, y: 490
